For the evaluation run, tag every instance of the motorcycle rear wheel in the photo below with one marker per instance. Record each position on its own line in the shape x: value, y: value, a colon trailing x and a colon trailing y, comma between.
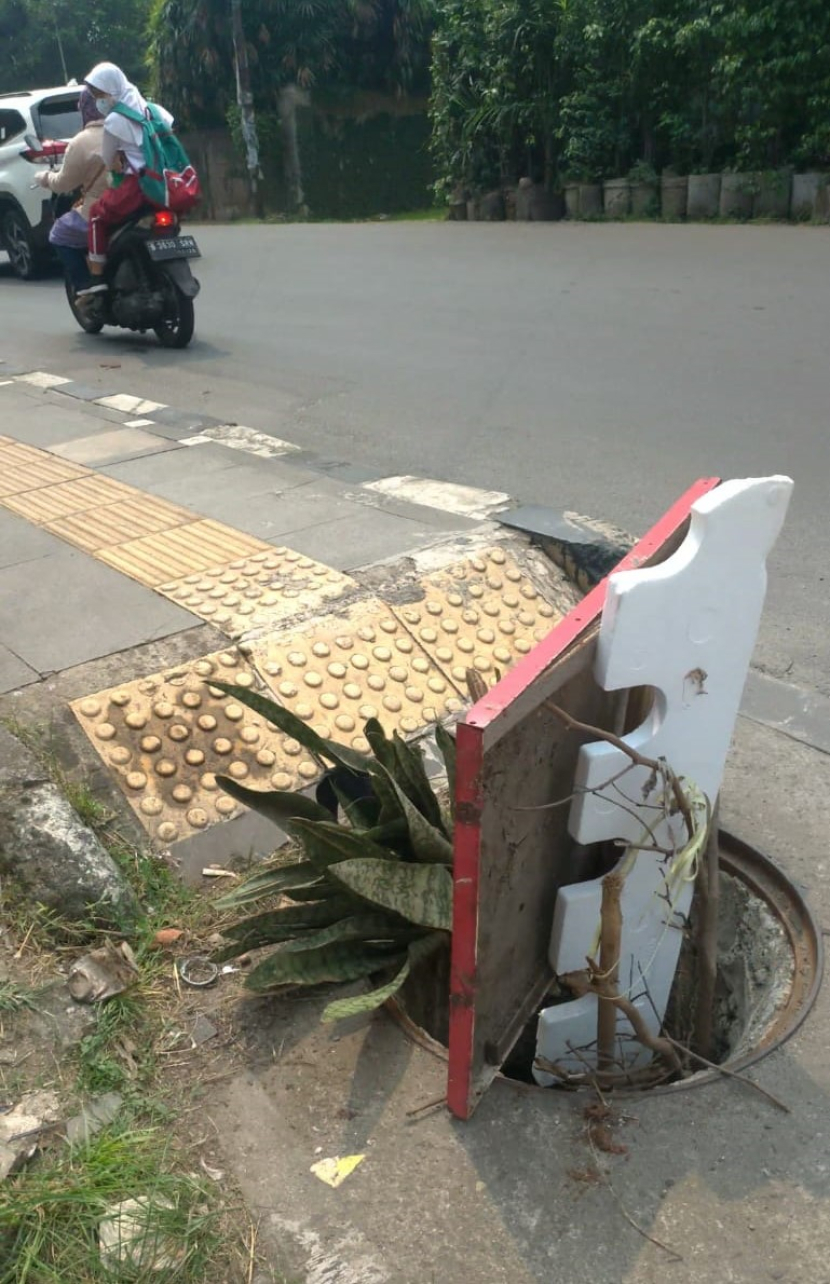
x: 176, y: 330
x: 89, y: 324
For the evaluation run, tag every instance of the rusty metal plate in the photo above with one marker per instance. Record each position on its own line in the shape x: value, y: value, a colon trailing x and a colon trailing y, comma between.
x: 194, y: 547
x: 247, y: 596
x: 350, y: 666
x: 483, y: 613
x: 167, y: 736
x: 54, y: 502
x: 119, y: 523
x: 27, y: 474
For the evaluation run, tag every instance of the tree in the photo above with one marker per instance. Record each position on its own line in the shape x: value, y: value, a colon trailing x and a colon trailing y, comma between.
x: 372, y: 44
x: 38, y: 38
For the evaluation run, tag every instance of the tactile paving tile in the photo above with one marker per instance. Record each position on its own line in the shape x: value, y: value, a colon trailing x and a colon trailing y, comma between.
x: 483, y: 613
x: 357, y: 664
x: 20, y: 473
x: 168, y: 736
x: 54, y: 502
x: 195, y: 547
x: 249, y: 595
x: 119, y: 523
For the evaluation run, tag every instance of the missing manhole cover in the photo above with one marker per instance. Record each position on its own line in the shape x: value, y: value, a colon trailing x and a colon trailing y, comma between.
x: 769, y: 971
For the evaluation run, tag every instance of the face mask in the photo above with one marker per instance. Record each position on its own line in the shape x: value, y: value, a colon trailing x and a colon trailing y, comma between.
x: 105, y: 104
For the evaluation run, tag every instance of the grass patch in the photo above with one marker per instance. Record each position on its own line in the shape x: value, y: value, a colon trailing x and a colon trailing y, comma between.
x: 50, y: 1214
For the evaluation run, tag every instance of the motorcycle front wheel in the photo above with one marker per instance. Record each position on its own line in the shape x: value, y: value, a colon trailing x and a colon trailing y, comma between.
x: 176, y: 330
x: 92, y: 324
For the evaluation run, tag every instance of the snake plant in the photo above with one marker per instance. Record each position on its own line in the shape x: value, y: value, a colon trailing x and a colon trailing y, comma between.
x: 369, y: 895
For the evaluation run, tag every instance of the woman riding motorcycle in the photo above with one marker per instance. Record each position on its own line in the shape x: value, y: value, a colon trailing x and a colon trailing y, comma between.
x: 123, y: 154
x: 83, y: 170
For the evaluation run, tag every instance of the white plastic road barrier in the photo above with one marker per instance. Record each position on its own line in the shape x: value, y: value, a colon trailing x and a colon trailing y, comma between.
x: 687, y: 628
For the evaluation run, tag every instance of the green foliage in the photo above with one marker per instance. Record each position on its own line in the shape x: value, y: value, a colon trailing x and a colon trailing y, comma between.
x: 34, y: 33
x: 377, y: 45
x: 50, y: 1212
x: 372, y: 893
x: 585, y: 89
x: 419, y: 893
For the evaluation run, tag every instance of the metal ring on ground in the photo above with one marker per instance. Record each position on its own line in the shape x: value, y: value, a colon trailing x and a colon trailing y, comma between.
x: 198, y: 971
x: 783, y: 899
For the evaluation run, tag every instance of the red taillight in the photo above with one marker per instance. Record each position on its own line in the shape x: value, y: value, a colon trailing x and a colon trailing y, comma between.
x: 164, y: 218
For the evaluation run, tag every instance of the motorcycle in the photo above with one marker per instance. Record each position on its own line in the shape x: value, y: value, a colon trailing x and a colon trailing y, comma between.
x: 151, y: 286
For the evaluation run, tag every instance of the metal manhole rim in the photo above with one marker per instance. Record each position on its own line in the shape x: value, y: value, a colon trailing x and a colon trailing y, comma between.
x: 786, y: 902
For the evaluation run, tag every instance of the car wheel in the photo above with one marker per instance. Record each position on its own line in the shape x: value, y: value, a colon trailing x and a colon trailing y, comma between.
x: 19, y: 245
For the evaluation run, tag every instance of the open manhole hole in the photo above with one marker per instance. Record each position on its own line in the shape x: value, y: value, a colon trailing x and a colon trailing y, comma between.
x: 769, y: 970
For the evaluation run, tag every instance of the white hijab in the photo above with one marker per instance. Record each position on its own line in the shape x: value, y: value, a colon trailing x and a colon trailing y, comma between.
x: 111, y: 80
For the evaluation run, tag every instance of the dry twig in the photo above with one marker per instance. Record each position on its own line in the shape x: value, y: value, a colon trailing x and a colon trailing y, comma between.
x: 731, y: 1074
x: 708, y: 904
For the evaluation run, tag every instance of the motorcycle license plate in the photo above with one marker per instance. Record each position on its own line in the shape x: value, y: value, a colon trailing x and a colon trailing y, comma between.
x: 173, y: 247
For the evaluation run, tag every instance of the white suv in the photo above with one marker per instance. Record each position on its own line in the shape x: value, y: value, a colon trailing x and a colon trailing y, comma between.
x: 26, y: 213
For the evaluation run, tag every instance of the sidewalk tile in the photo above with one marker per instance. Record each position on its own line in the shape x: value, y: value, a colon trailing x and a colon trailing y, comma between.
x: 51, y: 503
x: 20, y: 541
x: 183, y: 550
x: 67, y: 608
x: 112, y: 447
x: 368, y: 535
x: 14, y: 674
x: 119, y: 523
x: 261, y: 592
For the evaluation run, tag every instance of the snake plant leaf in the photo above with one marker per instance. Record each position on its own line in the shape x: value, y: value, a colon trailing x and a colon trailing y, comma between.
x: 357, y: 1004
x: 290, y: 725
x: 420, y: 893
x: 390, y: 808
x: 427, y: 842
x: 378, y: 927
x: 411, y: 774
x: 341, y: 961
x: 446, y: 747
x: 361, y: 813
x: 282, y: 806
x: 284, y: 924
x: 326, y: 843
x: 381, y: 746
x: 272, y: 882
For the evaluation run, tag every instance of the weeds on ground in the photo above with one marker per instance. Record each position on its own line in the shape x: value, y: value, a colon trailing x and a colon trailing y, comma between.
x: 50, y: 1214
x: 51, y: 1210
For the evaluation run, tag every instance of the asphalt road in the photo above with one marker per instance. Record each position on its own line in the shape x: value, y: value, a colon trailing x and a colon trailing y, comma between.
x: 588, y: 367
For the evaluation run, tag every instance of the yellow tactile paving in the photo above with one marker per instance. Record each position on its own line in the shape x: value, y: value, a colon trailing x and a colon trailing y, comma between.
x: 17, y: 452
x: 98, y: 528
x: 195, y: 547
x: 249, y: 595
x: 166, y: 737
x: 54, y: 502
x: 357, y: 664
x: 483, y: 613
x: 15, y: 479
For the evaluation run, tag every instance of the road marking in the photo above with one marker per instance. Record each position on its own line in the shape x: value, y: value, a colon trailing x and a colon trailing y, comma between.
x: 128, y: 405
x: 238, y: 437
x: 466, y: 501
x: 39, y: 379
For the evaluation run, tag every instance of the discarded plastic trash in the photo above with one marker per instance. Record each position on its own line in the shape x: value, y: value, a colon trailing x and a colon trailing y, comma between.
x: 197, y: 971
x: 21, y: 1128
x: 213, y: 871
x: 335, y: 1171
x: 167, y: 936
x: 94, y: 1116
x: 130, y: 1235
x: 102, y: 973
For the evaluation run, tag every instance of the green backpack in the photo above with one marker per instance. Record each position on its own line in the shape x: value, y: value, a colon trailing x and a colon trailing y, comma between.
x: 169, y: 180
